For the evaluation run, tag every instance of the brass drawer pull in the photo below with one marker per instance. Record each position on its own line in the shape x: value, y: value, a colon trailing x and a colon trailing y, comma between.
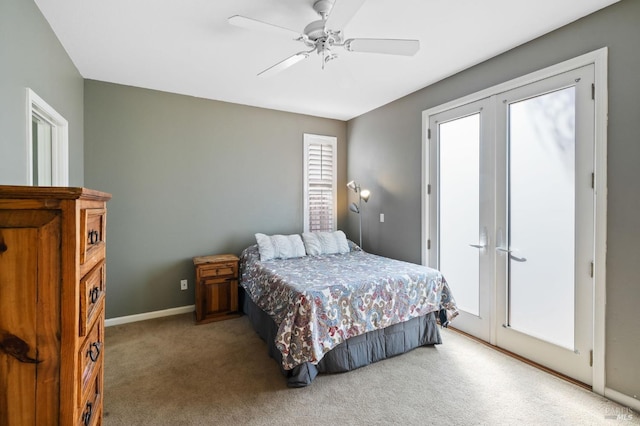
x: 94, y: 355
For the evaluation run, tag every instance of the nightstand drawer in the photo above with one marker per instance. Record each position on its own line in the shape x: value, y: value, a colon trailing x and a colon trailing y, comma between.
x: 92, y: 291
x: 218, y: 270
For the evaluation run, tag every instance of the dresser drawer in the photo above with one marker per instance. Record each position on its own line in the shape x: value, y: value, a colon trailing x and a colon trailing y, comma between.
x: 93, y: 227
x: 92, y: 293
x: 218, y: 270
x: 91, y: 408
x: 90, y: 357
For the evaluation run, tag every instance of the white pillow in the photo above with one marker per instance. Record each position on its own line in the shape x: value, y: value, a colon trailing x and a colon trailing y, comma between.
x: 279, y: 246
x: 317, y: 243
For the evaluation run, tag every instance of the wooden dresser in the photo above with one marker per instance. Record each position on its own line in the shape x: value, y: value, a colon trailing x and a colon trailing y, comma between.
x: 216, y: 287
x: 52, y: 298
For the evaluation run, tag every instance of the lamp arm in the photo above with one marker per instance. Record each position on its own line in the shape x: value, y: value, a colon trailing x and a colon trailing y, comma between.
x: 360, y: 218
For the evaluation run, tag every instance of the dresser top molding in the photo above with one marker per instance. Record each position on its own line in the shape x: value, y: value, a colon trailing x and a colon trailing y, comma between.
x: 44, y: 192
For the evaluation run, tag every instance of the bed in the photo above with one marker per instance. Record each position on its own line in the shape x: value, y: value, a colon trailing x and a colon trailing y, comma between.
x: 333, y: 308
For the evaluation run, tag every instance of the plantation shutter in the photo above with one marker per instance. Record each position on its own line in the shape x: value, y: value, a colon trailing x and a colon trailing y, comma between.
x: 320, y: 183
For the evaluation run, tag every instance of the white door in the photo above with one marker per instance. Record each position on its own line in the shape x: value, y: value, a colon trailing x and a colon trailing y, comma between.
x: 512, y: 218
x: 545, y: 222
x: 462, y: 153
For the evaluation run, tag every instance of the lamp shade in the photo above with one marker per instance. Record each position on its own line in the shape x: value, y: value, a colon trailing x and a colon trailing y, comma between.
x: 354, y: 208
x: 352, y: 185
x: 365, y: 194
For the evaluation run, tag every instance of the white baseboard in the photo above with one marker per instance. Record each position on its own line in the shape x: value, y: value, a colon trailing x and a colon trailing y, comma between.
x: 149, y: 315
x: 623, y: 399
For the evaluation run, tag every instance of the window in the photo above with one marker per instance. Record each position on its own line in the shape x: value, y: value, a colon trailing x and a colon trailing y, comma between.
x: 47, y: 144
x: 319, y: 183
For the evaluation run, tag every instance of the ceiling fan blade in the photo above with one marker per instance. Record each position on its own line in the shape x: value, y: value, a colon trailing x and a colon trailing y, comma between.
x: 342, y: 12
x: 383, y: 45
x: 282, y: 65
x: 254, y: 24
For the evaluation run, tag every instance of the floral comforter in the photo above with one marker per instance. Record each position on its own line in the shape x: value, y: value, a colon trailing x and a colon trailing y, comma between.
x: 320, y: 301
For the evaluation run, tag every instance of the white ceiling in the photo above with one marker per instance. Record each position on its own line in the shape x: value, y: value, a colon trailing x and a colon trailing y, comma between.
x: 188, y: 47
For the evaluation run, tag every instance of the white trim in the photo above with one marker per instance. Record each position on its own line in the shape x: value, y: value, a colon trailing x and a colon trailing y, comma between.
x: 59, y: 139
x: 426, y: 207
x: 600, y: 60
x: 588, y: 58
x: 623, y: 399
x: 149, y: 315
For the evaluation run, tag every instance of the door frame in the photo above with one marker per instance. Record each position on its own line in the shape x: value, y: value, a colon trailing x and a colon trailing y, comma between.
x: 599, y: 58
x: 59, y: 139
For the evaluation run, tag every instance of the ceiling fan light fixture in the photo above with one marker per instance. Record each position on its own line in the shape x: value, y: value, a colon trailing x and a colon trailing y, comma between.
x: 330, y: 57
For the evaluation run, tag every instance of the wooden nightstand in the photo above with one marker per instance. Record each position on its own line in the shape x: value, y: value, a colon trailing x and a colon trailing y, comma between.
x: 216, y: 287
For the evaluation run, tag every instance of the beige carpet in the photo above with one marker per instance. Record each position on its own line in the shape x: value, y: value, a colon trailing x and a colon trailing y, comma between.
x: 168, y: 371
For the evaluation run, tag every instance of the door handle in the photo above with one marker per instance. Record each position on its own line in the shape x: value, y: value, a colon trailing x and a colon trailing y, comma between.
x: 510, y: 253
x: 483, y: 241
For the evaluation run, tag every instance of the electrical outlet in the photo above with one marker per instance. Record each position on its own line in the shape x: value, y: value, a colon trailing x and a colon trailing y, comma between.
x: 381, y: 217
x: 183, y: 285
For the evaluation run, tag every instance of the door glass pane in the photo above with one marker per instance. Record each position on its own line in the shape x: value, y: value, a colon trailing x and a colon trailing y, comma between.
x: 459, y: 190
x: 542, y: 216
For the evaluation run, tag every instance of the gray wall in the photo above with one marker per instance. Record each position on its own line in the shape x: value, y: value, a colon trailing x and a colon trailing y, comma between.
x: 32, y: 57
x: 385, y: 149
x: 190, y: 177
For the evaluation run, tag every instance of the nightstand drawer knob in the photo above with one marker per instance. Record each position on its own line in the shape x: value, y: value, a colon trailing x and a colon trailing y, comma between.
x: 94, y: 355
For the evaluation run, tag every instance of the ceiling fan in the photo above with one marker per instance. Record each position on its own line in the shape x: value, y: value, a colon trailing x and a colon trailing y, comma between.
x: 323, y: 35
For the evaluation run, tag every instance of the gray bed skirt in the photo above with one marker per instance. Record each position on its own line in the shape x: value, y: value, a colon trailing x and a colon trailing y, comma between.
x: 354, y: 353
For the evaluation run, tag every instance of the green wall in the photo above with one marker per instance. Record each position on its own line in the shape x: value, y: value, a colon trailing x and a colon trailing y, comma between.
x: 385, y: 155
x: 190, y: 177
x: 32, y: 57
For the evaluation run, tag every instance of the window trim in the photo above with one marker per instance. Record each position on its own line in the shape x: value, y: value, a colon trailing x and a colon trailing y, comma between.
x: 59, y: 139
x: 309, y: 139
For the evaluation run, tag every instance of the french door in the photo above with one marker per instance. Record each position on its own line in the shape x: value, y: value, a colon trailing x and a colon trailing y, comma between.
x: 463, y: 225
x: 512, y: 218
